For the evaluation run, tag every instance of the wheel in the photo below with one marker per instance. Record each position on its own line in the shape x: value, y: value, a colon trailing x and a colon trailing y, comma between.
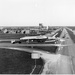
x: 19, y: 42
x: 13, y: 41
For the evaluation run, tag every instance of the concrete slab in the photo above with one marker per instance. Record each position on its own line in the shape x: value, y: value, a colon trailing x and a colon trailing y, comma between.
x: 69, y: 50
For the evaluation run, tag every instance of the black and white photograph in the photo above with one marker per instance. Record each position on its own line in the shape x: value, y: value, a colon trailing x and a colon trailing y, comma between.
x: 37, y: 37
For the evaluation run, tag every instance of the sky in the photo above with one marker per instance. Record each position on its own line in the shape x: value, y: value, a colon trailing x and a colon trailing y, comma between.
x: 33, y: 12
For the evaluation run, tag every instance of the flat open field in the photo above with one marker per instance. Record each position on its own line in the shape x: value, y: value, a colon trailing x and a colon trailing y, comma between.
x: 73, y: 27
x: 11, y: 36
x: 15, y: 62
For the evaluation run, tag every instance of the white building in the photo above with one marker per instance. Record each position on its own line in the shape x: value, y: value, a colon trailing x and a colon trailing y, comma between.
x: 5, y: 31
